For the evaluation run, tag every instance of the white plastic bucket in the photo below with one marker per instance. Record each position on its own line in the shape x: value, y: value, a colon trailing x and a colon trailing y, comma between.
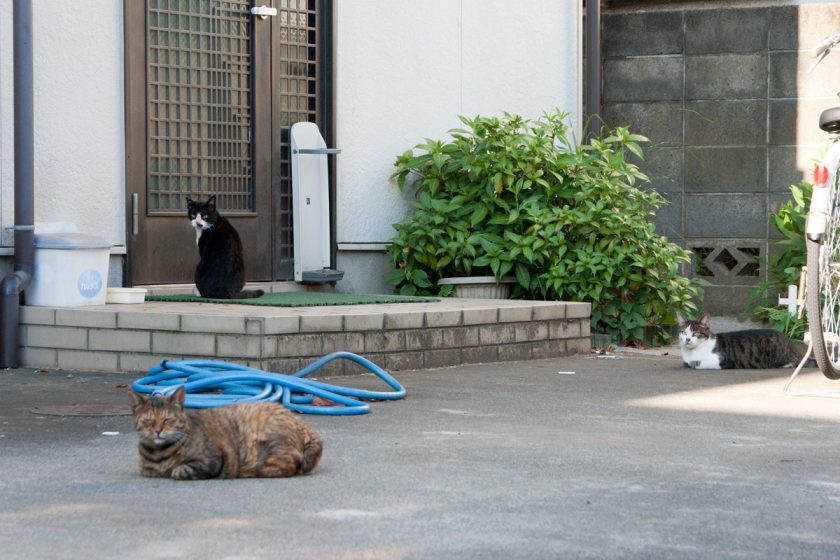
x: 71, y: 270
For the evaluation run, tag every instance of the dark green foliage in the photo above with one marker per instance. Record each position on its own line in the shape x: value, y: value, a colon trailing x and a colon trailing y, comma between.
x: 785, y: 267
x: 519, y: 197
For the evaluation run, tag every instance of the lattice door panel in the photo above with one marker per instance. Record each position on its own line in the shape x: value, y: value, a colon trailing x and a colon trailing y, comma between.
x: 299, y: 82
x: 199, y: 104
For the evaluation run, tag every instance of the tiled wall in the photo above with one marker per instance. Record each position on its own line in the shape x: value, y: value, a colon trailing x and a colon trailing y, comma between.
x: 724, y: 96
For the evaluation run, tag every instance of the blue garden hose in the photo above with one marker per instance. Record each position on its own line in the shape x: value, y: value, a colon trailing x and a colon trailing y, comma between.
x: 211, y: 384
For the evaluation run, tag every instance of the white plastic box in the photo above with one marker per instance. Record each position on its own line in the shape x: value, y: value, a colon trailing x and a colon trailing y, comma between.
x: 71, y: 269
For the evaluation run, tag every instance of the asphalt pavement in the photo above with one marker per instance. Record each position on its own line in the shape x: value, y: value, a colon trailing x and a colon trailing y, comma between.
x: 630, y: 456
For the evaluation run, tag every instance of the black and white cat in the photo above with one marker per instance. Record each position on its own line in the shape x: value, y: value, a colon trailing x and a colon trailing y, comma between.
x: 748, y: 349
x: 221, y: 269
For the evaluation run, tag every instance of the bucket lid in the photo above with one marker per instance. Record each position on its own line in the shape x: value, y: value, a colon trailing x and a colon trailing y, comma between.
x: 69, y: 241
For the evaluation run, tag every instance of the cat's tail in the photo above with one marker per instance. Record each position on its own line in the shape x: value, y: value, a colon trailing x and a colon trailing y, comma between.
x: 246, y: 294
x: 311, y: 453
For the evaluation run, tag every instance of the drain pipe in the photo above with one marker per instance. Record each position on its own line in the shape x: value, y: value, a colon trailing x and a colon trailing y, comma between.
x: 13, y: 284
x: 593, y: 67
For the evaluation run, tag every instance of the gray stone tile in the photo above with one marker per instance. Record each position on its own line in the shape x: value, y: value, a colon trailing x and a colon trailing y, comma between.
x: 37, y: 315
x: 480, y: 316
x: 75, y: 317
x: 367, y: 322
x: 343, y: 342
x: 725, y: 215
x: 398, y: 361
x: 480, y: 355
x: 88, y: 361
x: 238, y: 346
x: 726, y: 76
x: 725, y: 300
x: 282, y: 325
x: 660, y: 121
x: 789, y: 165
x: 726, y: 30
x: 726, y: 123
x: 39, y: 357
x: 443, y: 318
x: 515, y: 314
x: 730, y: 169
x: 442, y: 358
x: 291, y: 345
x: 183, y: 344
x: 786, y: 23
x: 796, y: 121
x: 384, y: 341
x: 641, y: 33
x: 43, y: 336
x: 655, y: 78
x: 120, y: 340
x: 668, y: 218
x: 515, y: 352
x: 578, y: 310
x: 404, y: 320
x: 564, y: 329
x: 212, y: 324
x: 321, y: 323
x: 664, y: 168
x: 548, y: 311
x: 148, y: 320
x: 496, y: 334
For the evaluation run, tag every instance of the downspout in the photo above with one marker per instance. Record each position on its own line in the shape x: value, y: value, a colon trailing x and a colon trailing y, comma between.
x: 593, y: 67
x: 13, y: 284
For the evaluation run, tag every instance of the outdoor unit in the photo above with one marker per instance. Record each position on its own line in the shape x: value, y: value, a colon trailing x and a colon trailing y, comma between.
x: 311, y: 205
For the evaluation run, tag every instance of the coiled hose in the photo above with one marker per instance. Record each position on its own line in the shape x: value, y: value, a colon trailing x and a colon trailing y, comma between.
x: 212, y: 384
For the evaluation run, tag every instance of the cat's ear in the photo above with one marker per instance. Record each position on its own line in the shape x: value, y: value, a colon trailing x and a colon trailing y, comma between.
x: 179, y: 396
x: 135, y: 399
x: 680, y: 320
x: 706, y: 320
x: 190, y: 201
x: 211, y: 203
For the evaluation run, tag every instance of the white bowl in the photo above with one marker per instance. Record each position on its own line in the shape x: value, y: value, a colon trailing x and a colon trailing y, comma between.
x: 125, y: 295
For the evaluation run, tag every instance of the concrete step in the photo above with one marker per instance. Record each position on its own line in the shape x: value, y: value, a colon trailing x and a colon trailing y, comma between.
x: 396, y: 336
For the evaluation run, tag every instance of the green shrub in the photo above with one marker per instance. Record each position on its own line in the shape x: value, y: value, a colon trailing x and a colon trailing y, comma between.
x: 784, y: 268
x: 512, y: 196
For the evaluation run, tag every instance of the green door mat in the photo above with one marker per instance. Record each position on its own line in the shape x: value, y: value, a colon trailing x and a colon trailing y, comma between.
x: 299, y: 299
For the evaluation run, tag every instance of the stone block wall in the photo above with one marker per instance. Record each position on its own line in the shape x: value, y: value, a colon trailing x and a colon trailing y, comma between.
x: 722, y: 90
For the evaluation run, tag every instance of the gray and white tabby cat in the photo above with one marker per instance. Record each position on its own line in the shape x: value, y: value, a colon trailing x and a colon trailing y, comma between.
x: 748, y: 349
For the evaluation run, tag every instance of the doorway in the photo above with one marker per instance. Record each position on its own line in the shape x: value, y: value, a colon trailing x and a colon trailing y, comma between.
x: 211, y: 92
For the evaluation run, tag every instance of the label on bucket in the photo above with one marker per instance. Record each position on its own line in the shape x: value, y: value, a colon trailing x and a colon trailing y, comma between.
x: 90, y: 283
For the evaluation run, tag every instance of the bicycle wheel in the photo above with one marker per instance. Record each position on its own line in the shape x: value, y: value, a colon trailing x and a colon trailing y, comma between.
x: 823, y: 300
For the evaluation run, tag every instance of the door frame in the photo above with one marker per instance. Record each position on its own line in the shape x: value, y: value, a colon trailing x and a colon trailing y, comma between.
x: 264, y: 144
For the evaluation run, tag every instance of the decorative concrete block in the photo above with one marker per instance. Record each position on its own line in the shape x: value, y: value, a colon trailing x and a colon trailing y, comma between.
x: 726, y: 30
x: 726, y: 76
x: 726, y: 169
x: 646, y: 78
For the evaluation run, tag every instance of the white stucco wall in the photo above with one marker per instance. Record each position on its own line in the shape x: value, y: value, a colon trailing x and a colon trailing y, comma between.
x: 406, y: 68
x: 79, y: 130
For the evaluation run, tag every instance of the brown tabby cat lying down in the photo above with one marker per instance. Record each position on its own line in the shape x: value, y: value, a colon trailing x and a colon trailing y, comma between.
x: 248, y: 440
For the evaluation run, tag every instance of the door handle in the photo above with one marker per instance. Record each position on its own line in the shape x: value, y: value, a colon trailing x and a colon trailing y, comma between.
x: 263, y: 12
x: 135, y: 218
